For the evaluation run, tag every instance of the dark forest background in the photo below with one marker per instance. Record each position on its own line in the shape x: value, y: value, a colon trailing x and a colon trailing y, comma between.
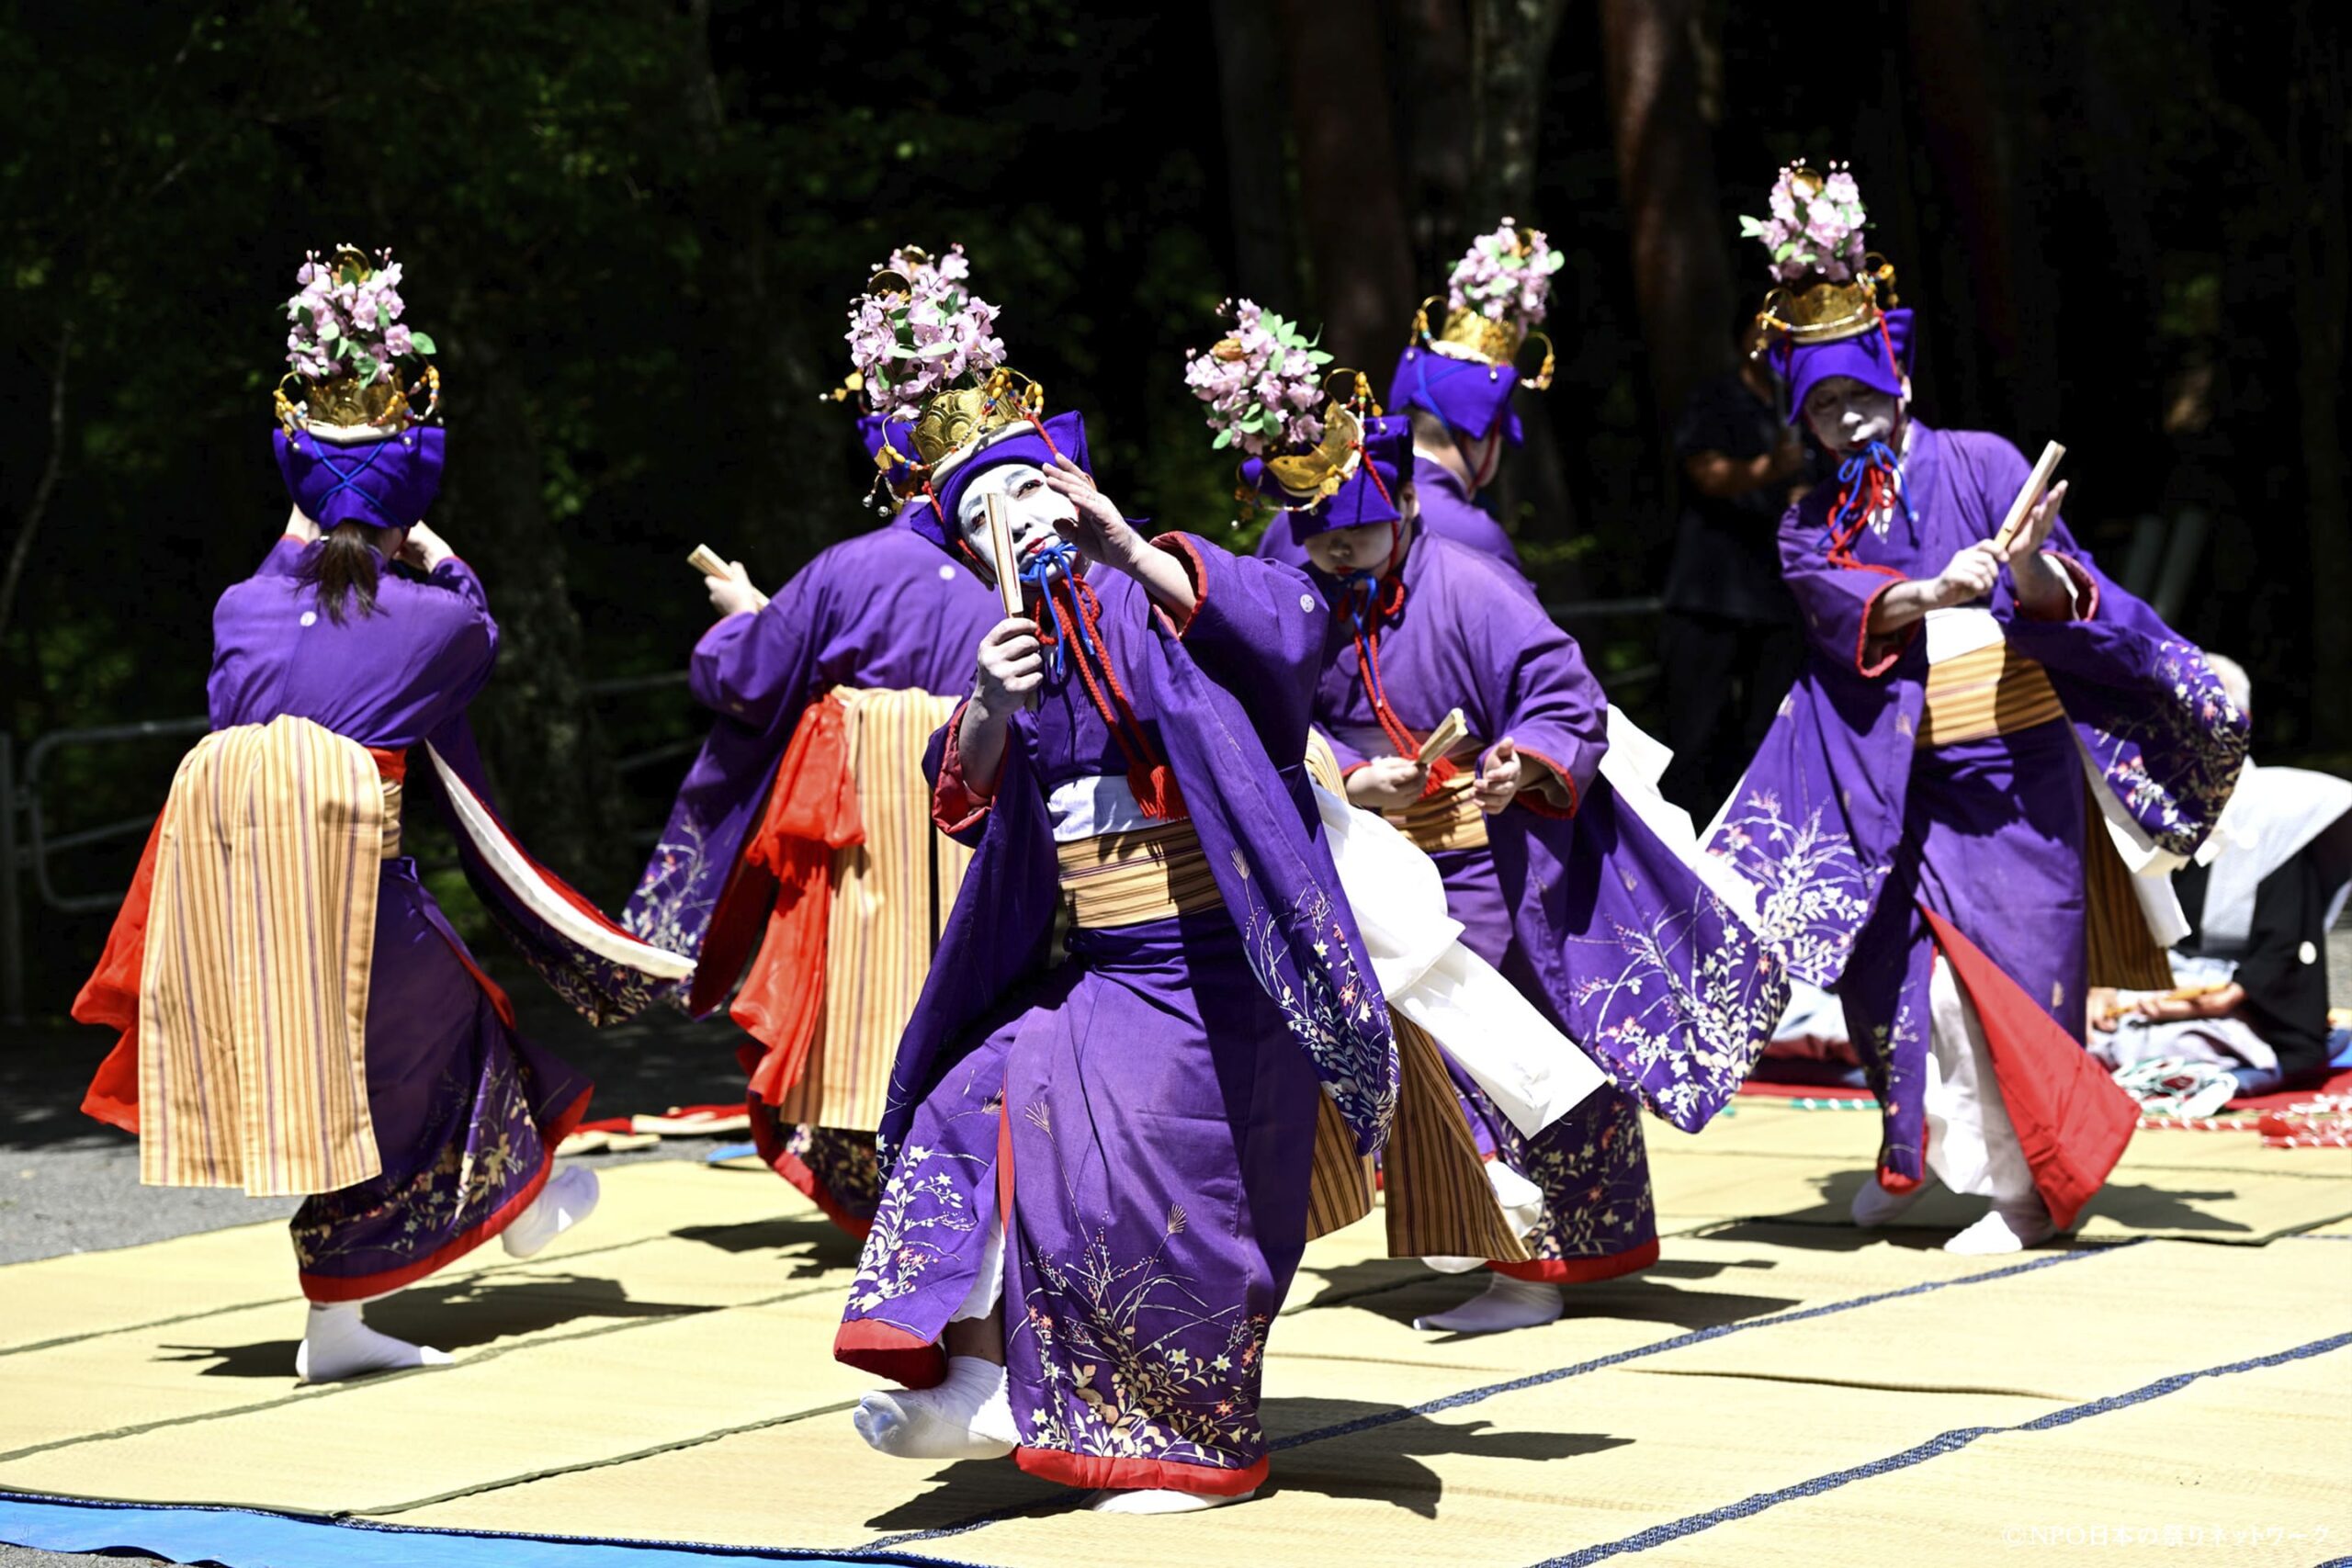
x: 633, y: 226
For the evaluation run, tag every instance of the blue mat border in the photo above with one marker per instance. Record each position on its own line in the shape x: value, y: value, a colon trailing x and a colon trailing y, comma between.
x: 240, y: 1541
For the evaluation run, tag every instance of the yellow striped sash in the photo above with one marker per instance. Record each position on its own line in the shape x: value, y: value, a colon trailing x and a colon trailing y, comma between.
x: 1127, y: 878
x: 891, y: 896
x: 1990, y: 690
x: 253, y: 997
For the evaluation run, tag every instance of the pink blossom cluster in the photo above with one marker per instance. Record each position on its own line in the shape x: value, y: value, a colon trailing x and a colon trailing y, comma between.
x: 348, y: 319
x: 1261, y: 384
x: 1814, y: 228
x: 937, y: 334
x: 1505, y: 276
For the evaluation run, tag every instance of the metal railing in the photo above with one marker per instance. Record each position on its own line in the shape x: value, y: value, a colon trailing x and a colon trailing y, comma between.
x: 28, y: 849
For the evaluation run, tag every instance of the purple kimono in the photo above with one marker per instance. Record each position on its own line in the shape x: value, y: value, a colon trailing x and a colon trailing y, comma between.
x: 1448, y: 511
x: 1589, y: 914
x: 1862, y: 841
x: 1139, y: 1118
x: 466, y: 1112
x: 883, y: 610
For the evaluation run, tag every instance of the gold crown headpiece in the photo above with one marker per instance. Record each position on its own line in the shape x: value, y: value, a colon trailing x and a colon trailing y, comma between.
x: 344, y: 408
x: 1468, y: 335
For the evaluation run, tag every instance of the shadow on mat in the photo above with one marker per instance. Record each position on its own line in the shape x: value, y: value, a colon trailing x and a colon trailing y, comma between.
x: 968, y: 1488
x: 1383, y: 1463
x: 817, y: 1245
x: 1828, y: 1228
x: 453, y: 1315
x: 1377, y: 1287
x: 1385, y: 1467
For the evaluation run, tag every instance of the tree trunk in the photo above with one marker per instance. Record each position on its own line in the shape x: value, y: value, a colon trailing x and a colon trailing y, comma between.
x: 1666, y: 177
x: 540, y: 738
x: 1348, y: 182
x: 1965, y: 122
x: 44, y: 489
x: 1510, y: 53
x: 1251, y: 100
x: 1438, y: 120
x: 774, y: 383
x: 2321, y: 258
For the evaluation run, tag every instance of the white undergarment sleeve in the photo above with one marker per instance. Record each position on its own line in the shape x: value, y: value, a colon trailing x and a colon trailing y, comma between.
x: 1534, y: 1074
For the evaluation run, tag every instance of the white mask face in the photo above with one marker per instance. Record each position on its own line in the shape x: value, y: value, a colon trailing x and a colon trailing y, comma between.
x: 1032, y: 509
x: 1846, y: 415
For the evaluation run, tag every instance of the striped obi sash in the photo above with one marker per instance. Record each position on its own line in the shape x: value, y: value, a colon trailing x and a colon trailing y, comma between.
x: 1988, y: 691
x: 1127, y: 877
x: 850, y: 940
x: 253, y: 994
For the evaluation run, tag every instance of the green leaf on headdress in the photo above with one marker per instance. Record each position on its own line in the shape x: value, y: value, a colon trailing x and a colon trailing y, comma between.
x: 383, y: 318
x: 1784, y: 250
x: 1224, y: 439
x: 422, y: 344
x: 1274, y: 361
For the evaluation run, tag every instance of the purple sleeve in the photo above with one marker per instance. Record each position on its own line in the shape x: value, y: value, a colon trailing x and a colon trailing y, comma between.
x: 754, y: 666
x: 1257, y: 629
x: 1836, y: 600
x: 1536, y: 689
x: 469, y: 649
x: 459, y: 579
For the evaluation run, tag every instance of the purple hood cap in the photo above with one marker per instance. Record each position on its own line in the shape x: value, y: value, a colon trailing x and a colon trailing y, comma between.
x: 1368, y: 495
x: 1864, y: 356
x: 1064, y: 435
x: 385, y: 484
x: 1468, y: 394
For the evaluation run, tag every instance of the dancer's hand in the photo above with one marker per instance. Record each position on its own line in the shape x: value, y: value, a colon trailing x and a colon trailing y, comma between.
x: 1101, y: 532
x: 1969, y: 576
x: 733, y: 594
x: 424, y: 550
x: 1011, y: 668
x: 1388, y: 784
x: 1500, y: 775
x: 2034, y: 532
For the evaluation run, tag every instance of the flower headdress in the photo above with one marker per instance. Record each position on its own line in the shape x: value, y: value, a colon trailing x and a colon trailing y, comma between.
x: 345, y: 346
x: 1831, y: 283
x: 1496, y: 295
x: 1262, y: 383
x: 1305, y: 431
x: 926, y: 355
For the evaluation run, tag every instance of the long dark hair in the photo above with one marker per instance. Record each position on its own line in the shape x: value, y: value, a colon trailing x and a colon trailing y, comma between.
x: 345, y: 568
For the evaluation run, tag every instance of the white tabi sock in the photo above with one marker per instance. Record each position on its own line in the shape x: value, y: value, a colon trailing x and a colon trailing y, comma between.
x: 968, y: 1417
x: 2006, y: 1227
x: 1875, y: 1206
x: 1159, y: 1500
x: 338, y: 1345
x: 568, y: 1196
x: 1508, y: 1303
